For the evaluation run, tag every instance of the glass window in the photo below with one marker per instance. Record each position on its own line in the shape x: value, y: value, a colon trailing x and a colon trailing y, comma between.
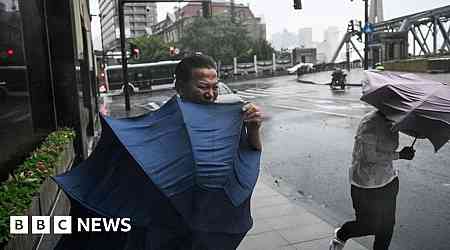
x: 16, y: 132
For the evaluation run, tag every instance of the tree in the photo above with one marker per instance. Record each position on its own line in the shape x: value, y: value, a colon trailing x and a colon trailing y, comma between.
x: 217, y: 37
x: 262, y: 49
x: 152, y: 48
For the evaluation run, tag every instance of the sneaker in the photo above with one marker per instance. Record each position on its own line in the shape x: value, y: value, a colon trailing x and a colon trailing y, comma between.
x: 336, y: 244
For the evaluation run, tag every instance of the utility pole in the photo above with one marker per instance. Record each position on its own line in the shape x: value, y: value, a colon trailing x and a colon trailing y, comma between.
x: 124, y: 56
x: 366, y: 35
x: 232, y: 11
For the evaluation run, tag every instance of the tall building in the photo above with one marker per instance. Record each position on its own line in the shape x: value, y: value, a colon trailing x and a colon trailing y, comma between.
x: 139, y: 18
x: 376, y: 11
x: 305, y: 37
x: 331, y: 39
x: 171, y: 28
x: 284, y: 40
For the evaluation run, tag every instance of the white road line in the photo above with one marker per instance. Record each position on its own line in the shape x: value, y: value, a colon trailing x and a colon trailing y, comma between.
x: 315, y: 111
x: 253, y: 91
x: 247, y: 96
x: 327, y: 98
x: 153, y: 105
x: 246, y: 92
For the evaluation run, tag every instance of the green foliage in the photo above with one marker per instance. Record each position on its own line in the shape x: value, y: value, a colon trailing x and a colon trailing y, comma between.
x: 152, y: 48
x: 217, y: 37
x: 262, y: 49
x: 17, y: 192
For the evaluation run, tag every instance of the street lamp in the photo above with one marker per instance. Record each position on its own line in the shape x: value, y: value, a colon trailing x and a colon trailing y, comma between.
x: 366, y: 35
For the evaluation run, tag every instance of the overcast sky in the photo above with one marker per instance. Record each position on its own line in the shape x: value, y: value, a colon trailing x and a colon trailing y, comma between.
x: 318, y: 14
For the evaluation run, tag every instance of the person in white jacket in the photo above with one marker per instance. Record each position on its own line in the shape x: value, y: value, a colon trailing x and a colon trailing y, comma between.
x: 374, y: 182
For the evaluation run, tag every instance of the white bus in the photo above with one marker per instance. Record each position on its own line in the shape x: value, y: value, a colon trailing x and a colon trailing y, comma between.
x: 142, y: 76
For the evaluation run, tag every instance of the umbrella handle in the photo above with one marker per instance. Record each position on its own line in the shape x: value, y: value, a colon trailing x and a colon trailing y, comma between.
x: 414, y: 142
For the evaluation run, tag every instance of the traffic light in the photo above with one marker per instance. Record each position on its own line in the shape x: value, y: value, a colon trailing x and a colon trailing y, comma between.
x: 352, y: 25
x: 7, y: 56
x: 134, y: 51
x: 297, y: 4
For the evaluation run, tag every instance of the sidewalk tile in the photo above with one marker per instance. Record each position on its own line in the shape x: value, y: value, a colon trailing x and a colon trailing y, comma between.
x: 260, y: 226
x: 306, y: 233
x: 265, y: 241
x: 320, y: 244
x: 276, y: 210
x: 266, y: 201
x: 290, y: 221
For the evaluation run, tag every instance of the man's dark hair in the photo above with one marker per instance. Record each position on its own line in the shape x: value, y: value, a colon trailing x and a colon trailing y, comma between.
x: 183, y: 72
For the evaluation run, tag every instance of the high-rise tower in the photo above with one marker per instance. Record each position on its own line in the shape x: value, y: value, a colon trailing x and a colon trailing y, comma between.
x: 376, y: 11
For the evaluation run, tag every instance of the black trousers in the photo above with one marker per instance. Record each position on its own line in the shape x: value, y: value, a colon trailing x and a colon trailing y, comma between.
x: 375, y: 214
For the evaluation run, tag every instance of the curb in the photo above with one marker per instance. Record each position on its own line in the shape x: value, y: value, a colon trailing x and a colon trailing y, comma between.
x: 316, y: 83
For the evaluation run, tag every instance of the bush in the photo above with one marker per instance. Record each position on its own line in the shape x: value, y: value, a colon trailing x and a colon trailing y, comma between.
x: 17, y: 192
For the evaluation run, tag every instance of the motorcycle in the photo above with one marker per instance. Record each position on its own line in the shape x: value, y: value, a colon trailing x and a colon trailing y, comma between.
x: 338, y: 80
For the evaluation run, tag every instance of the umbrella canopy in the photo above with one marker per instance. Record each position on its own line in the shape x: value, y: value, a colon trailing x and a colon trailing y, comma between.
x: 186, y: 158
x: 418, y: 107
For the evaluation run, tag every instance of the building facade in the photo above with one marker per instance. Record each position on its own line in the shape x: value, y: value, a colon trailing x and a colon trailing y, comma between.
x: 47, y: 76
x: 305, y: 37
x: 171, y: 28
x: 301, y: 55
x: 139, y: 19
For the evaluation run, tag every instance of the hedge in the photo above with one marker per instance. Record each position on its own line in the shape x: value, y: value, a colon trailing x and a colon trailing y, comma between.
x: 17, y: 192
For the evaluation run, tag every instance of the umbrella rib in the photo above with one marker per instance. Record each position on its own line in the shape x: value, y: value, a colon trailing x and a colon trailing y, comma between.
x: 420, y: 103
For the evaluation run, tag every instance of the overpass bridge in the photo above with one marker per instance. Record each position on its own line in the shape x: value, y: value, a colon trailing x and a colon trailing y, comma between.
x: 428, y: 31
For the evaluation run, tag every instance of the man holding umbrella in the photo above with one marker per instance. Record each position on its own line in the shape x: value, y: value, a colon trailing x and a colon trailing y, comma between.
x: 374, y: 182
x: 182, y: 175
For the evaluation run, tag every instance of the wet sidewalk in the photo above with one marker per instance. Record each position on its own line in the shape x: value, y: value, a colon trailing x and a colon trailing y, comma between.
x: 281, y: 224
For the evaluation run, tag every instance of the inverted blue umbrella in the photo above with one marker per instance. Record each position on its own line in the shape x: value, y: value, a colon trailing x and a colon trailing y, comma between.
x: 418, y: 107
x: 185, y: 162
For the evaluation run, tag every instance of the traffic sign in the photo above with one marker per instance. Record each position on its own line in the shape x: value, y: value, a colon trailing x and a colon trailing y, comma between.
x: 368, y: 28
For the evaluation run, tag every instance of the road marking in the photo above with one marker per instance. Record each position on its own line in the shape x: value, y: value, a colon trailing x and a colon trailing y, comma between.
x: 153, y: 105
x: 246, y: 92
x: 315, y: 111
x: 332, y: 107
x: 246, y: 96
x: 256, y: 92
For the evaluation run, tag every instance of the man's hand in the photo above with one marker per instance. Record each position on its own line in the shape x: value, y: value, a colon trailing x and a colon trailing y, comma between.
x: 407, y: 153
x: 252, y: 119
x: 252, y: 116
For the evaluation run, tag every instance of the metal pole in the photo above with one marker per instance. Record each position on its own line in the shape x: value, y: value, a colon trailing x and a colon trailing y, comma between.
x: 347, y: 55
x: 366, y: 35
x: 124, y: 56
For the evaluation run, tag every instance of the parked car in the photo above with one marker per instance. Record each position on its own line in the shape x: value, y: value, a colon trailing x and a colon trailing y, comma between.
x: 304, y: 68
x: 227, y: 95
x: 293, y: 69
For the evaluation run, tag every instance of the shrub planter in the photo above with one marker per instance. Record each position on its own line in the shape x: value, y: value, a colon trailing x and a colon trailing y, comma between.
x: 31, y: 192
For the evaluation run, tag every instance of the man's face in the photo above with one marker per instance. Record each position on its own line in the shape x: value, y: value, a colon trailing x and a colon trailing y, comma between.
x: 202, y: 88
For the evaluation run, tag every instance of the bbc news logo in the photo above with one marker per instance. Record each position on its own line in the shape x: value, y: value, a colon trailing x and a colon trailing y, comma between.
x: 63, y: 224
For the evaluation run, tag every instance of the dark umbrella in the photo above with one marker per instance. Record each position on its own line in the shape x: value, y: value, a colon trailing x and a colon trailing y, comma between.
x: 418, y: 107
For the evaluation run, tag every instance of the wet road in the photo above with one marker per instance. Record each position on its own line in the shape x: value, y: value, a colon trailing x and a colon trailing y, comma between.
x: 308, y: 140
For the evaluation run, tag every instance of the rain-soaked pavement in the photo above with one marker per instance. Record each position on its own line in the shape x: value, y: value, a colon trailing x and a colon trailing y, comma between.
x: 308, y: 140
